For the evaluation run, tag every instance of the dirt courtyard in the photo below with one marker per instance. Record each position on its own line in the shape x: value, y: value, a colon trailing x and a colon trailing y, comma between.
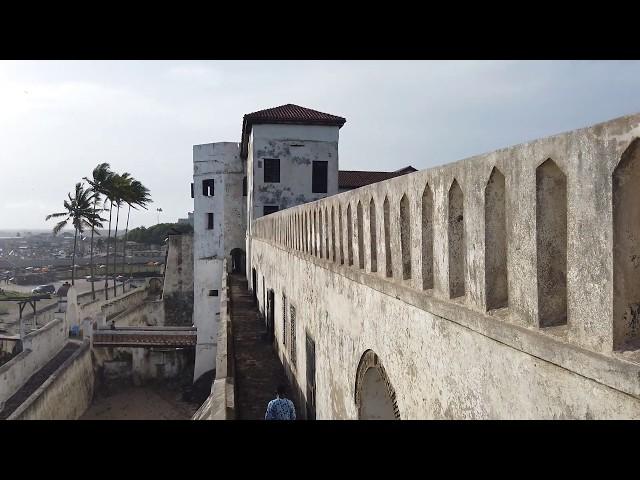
x: 140, y: 403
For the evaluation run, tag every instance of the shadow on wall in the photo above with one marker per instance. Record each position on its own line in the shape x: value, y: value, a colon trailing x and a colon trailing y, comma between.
x: 295, y: 393
x: 178, y: 308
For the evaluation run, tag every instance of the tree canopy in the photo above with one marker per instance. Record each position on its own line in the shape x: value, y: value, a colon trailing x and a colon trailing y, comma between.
x: 156, y: 234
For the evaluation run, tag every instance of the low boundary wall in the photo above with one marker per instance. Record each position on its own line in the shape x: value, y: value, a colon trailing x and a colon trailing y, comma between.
x: 66, y: 394
x: 38, y: 348
x: 220, y: 405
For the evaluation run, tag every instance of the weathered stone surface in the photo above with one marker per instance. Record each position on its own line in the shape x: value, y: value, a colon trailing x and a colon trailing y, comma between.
x: 547, y: 346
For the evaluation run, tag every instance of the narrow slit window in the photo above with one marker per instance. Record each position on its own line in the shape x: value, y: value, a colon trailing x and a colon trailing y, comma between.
x: 405, y: 237
x: 626, y: 248
x: 457, y: 251
x: 326, y: 234
x: 360, y: 235
x: 387, y: 238
x: 427, y: 238
x: 495, y: 242
x: 320, y: 234
x: 373, y: 234
x: 551, y: 241
x: 333, y: 234
x: 349, y: 236
x: 340, y: 235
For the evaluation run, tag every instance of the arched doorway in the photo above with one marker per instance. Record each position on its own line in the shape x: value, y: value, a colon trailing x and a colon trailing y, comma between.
x: 237, y: 260
x: 374, y: 395
x: 155, y: 286
x: 254, y: 285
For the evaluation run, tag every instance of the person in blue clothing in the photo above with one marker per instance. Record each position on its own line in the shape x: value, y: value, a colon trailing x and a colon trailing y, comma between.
x: 280, y: 408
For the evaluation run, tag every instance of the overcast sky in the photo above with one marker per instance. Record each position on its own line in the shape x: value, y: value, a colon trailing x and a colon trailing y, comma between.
x: 60, y: 119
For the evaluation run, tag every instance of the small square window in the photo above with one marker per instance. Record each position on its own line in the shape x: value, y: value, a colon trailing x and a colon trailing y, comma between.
x: 213, y: 293
x: 267, y: 209
x: 207, y: 187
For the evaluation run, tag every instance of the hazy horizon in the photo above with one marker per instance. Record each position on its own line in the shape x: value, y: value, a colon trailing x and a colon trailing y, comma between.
x: 61, y: 118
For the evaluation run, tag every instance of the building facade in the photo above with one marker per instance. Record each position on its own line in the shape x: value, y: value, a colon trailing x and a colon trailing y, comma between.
x: 287, y: 156
x: 219, y: 223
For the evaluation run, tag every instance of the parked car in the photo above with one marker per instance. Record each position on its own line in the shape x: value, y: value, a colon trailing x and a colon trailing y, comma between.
x: 121, y: 278
x: 44, y: 289
x: 95, y: 278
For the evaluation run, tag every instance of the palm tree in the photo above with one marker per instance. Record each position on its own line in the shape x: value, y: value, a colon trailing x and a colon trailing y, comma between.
x: 107, y: 187
x: 121, y: 185
x: 79, y: 211
x: 99, y: 183
x: 136, y: 194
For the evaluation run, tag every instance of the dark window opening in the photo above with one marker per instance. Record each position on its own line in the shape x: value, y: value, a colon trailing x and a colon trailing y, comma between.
x: 284, y: 319
x: 311, y: 378
x: 294, y: 352
x: 207, y: 188
x: 213, y: 293
x: 192, y: 190
x: 319, y: 177
x: 244, y: 187
x: 267, y: 209
x: 271, y: 170
x: 209, y: 221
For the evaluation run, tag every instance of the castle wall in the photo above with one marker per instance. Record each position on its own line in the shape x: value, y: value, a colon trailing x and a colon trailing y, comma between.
x: 221, y: 163
x: 177, y: 292
x: 66, y: 394
x: 421, y: 292
x: 38, y: 348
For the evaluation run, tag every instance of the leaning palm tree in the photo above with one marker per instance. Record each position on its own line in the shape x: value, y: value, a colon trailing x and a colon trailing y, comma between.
x: 136, y: 195
x: 108, y: 187
x: 79, y: 211
x: 120, y: 187
x: 99, y: 183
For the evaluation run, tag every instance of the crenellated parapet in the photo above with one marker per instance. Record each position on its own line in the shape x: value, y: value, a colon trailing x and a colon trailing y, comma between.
x: 543, y: 236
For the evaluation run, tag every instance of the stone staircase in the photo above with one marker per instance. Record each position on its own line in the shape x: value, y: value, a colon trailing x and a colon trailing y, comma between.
x: 258, y: 370
x: 37, y: 379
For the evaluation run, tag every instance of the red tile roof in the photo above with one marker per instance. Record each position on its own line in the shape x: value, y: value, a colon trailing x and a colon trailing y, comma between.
x: 286, y: 114
x: 290, y: 113
x: 348, y: 179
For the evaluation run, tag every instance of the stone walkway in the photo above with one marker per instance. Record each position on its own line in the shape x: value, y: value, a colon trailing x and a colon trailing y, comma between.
x: 258, y: 368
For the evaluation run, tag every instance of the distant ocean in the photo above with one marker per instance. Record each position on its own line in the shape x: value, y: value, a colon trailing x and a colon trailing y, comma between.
x: 32, y: 231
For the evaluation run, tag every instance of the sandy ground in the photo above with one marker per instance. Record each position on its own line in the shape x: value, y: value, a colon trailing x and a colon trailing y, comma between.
x: 140, y: 403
